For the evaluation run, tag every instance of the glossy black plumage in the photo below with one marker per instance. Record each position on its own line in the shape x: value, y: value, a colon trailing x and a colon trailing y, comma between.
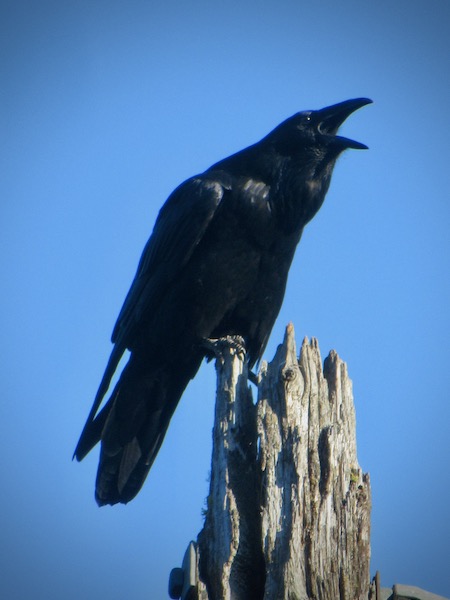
x: 216, y: 264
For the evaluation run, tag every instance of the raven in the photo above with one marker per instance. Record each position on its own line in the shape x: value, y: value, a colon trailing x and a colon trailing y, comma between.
x: 215, y: 267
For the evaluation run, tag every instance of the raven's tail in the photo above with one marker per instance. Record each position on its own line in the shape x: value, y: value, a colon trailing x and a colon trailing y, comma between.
x: 132, y: 426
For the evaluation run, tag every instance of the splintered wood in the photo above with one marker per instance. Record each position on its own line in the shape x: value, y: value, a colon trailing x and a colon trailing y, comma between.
x: 288, y: 512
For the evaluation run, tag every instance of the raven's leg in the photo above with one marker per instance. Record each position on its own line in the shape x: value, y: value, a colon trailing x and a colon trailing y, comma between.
x: 253, y: 377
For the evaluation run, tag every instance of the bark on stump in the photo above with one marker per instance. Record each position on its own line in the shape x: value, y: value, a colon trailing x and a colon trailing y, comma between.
x: 288, y: 511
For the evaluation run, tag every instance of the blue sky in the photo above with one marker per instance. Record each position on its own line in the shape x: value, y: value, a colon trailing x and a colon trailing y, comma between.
x: 106, y: 106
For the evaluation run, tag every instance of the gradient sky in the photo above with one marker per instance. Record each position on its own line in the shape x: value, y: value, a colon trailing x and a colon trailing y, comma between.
x: 105, y: 107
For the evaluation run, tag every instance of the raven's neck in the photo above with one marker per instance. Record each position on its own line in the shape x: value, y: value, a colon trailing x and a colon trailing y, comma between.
x: 297, y: 193
x: 297, y: 184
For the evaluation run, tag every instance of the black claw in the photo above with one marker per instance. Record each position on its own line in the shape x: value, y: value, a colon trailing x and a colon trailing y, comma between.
x: 215, y: 347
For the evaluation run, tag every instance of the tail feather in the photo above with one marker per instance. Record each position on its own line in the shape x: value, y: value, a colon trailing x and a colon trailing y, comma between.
x: 132, y: 426
x: 121, y: 476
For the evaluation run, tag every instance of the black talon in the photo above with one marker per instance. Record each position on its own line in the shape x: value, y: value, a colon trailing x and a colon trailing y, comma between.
x: 215, y: 346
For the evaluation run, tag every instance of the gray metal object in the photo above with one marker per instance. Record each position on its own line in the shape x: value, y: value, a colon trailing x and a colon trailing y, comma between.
x: 183, y: 581
x: 409, y: 592
x: 401, y: 592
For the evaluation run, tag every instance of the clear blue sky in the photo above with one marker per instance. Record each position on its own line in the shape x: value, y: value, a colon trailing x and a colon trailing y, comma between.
x: 105, y: 107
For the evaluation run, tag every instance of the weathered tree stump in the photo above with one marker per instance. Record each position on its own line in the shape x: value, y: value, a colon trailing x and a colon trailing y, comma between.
x: 288, y: 511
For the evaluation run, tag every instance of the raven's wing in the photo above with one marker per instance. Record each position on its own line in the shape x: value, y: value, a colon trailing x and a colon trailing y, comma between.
x: 180, y: 226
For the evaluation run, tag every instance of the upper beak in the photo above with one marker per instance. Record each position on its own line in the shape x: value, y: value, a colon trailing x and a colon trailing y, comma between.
x: 329, y: 120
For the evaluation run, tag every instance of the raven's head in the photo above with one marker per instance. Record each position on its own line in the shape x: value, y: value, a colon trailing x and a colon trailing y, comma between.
x: 314, y: 131
x: 302, y: 152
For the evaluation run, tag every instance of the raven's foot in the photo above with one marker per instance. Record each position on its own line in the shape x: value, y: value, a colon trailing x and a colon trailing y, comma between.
x: 215, y: 347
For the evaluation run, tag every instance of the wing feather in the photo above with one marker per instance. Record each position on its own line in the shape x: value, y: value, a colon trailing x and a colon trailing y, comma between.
x: 179, y: 227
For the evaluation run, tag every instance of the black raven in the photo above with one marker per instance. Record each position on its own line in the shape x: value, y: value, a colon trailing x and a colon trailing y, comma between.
x: 216, y: 265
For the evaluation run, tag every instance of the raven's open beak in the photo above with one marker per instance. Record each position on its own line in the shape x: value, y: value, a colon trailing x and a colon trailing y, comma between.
x: 329, y: 120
